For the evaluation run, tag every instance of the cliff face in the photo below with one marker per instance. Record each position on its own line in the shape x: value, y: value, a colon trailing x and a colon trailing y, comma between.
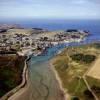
x: 11, y: 67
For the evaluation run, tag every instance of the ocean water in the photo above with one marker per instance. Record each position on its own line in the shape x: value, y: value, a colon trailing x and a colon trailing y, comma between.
x: 43, y: 81
x: 39, y: 66
x: 59, y: 24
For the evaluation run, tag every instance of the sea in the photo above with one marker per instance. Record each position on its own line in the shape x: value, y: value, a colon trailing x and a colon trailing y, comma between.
x: 93, y: 26
x: 43, y: 81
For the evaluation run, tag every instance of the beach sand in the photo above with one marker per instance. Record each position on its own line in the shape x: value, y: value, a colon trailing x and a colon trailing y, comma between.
x: 95, y: 70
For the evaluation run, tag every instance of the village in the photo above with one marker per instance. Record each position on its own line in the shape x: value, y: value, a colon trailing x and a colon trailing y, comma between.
x: 37, y: 40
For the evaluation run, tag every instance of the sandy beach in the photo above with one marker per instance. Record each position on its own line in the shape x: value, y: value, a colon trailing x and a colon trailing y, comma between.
x: 95, y: 70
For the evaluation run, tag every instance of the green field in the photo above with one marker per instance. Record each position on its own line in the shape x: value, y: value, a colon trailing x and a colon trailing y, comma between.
x: 94, y: 84
x: 10, y: 72
x: 71, y: 65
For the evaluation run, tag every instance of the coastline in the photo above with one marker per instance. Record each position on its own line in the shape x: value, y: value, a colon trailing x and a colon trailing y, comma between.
x: 8, y: 95
x: 11, y: 95
x: 65, y: 93
x: 24, y: 93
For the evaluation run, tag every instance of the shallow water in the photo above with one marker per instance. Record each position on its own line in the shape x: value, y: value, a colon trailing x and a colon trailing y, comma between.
x: 44, y: 83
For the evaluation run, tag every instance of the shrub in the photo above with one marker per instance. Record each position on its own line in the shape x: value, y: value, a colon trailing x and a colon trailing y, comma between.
x: 61, y: 64
x: 88, y: 94
x: 83, y: 58
x: 96, y: 89
x: 97, y: 45
x: 75, y: 98
x: 10, y: 73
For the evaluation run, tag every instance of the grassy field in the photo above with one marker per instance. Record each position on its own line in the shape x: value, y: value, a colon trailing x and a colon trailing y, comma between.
x: 72, y: 64
x: 10, y: 72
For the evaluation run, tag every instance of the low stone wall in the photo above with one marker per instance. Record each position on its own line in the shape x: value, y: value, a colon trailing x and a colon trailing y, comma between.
x: 23, y: 83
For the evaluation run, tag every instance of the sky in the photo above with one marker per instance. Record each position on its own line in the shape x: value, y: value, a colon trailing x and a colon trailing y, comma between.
x: 63, y: 9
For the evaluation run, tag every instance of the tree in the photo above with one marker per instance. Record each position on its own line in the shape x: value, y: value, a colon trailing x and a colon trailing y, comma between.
x: 75, y: 98
x: 27, y: 44
x: 88, y: 94
x: 45, y: 38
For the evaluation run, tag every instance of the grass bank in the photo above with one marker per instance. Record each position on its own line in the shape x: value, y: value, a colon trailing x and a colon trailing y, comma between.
x: 72, y: 64
x: 11, y: 67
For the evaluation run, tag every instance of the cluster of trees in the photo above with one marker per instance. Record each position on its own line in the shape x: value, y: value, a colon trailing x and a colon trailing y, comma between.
x: 3, y: 30
x: 88, y: 95
x: 10, y: 73
x: 44, y: 39
x: 96, y: 89
x: 83, y: 58
x: 97, y: 45
x: 75, y: 98
x: 7, y: 52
